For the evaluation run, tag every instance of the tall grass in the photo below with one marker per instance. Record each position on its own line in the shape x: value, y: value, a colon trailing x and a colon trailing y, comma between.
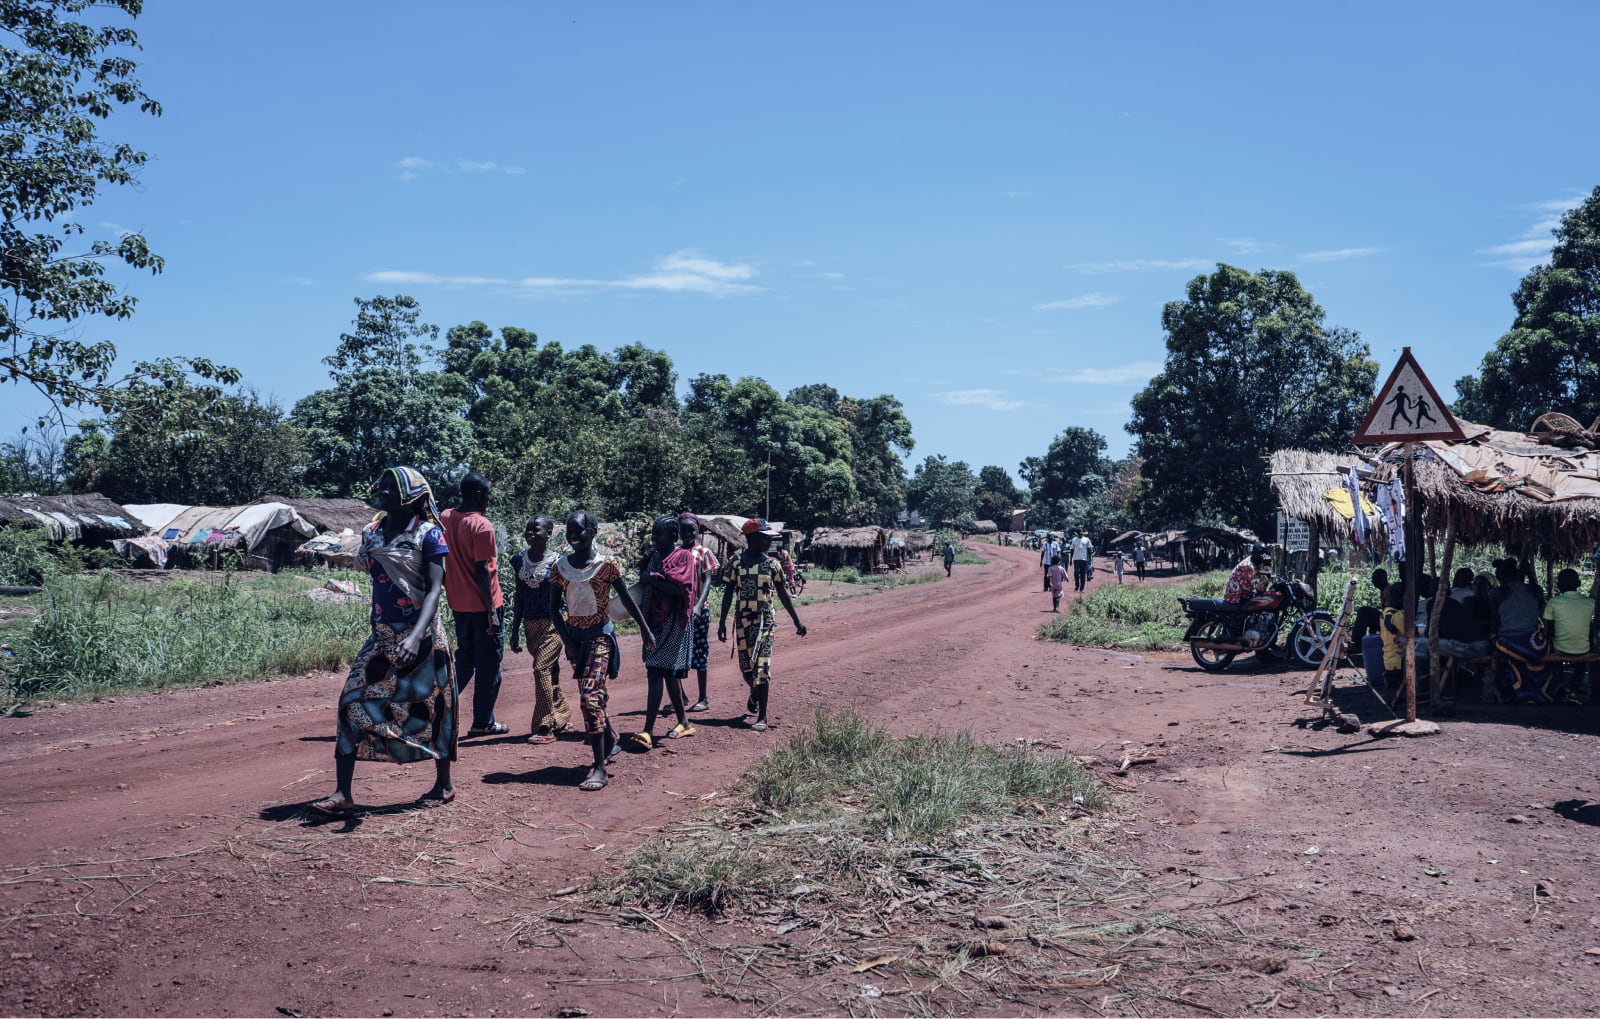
x: 1136, y: 616
x: 100, y: 633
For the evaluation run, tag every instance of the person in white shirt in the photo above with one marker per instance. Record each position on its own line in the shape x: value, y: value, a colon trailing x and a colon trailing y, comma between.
x: 1082, y: 556
x: 1047, y: 555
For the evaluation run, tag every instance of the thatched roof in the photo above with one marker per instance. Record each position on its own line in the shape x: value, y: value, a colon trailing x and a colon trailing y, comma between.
x: 915, y: 541
x: 1301, y: 479
x: 849, y: 537
x: 724, y: 526
x: 1522, y: 492
x: 983, y: 527
x: 89, y: 517
x: 326, y: 515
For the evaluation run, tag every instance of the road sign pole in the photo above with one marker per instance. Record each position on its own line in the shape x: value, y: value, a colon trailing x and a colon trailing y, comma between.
x: 1413, y: 582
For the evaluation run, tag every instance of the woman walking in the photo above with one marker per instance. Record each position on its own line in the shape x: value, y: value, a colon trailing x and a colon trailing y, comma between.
x: 706, y: 567
x: 586, y: 581
x: 399, y: 702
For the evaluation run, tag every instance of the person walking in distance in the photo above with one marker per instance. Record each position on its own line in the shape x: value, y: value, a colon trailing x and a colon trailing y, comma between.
x: 949, y: 557
x: 472, y: 586
x: 533, y: 614
x: 1049, y: 552
x: 1140, y: 554
x: 1057, y: 575
x: 1082, y: 556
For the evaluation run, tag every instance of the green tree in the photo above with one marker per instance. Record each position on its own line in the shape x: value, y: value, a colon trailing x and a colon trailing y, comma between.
x: 1074, y: 466
x: 386, y: 407
x: 59, y: 78
x: 1250, y: 368
x: 1550, y: 360
x: 997, y: 495
x: 32, y: 464
x: 941, y: 489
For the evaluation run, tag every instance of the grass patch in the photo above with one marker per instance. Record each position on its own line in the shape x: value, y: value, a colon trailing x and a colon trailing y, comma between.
x: 1132, y: 615
x: 921, y: 875
x: 851, y: 575
x: 100, y: 633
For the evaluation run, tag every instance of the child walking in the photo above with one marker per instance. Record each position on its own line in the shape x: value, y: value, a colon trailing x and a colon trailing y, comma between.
x: 706, y: 567
x: 755, y: 576
x: 669, y: 578
x: 1117, y: 564
x: 586, y: 580
x: 1056, y: 577
x: 533, y: 611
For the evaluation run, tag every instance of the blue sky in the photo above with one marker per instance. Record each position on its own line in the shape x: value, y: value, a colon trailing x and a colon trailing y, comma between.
x: 977, y: 208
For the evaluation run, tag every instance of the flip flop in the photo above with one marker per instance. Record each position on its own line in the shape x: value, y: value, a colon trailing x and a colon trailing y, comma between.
x: 542, y: 737
x: 699, y: 706
x: 759, y: 726
x: 492, y: 729
x: 449, y: 797
x: 325, y: 807
x: 680, y: 731
x: 640, y: 741
x: 593, y: 784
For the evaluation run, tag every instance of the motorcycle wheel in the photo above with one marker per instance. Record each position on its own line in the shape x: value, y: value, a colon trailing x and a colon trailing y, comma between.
x: 1210, y: 659
x: 1310, y: 639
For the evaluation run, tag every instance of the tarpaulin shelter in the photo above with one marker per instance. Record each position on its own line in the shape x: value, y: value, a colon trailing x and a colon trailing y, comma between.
x: 265, y: 535
x: 87, y: 519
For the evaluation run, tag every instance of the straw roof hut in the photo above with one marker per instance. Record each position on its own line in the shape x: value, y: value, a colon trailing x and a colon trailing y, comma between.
x: 720, y: 533
x: 267, y: 534
x: 335, y: 515
x: 86, y: 519
x: 983, y: 527
x: 1301, y: 480
x: 861, y: 547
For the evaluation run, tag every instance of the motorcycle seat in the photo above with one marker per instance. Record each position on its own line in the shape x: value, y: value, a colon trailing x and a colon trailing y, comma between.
x: 1211, y: 605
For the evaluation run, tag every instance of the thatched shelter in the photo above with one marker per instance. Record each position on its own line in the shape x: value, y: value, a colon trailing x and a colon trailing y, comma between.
x: 1302, y: 480
x: 720, y: 533
x: 862, y: 547
x: 982, y: 527
x: 88, y: 519
x: 328, y: 515
x: 266, y: 535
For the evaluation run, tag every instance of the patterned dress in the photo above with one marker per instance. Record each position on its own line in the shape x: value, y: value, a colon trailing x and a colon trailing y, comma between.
x: 754, y: 587
x: 595, y: 660
x: 386, y: 713
x: 668, y: 615
x: 700, y: 625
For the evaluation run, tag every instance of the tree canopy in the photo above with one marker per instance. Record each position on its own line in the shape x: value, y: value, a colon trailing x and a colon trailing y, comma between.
x: 1550, y: 359
x: 1250, y: 368
x: 943, y: 490
x: 59, y: 79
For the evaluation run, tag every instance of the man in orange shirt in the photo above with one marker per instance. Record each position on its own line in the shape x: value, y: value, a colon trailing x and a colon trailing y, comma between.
x: 472, y: 583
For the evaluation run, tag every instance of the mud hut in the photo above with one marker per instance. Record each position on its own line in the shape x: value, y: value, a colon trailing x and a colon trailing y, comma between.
x: 864, y: 548
x: 88, y: 519
x: 720, y: 533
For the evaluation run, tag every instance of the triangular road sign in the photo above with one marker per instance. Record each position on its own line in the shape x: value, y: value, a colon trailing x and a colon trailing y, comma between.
x: 1408, y: 409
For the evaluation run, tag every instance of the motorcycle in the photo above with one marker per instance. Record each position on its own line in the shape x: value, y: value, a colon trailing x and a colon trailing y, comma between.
x: 1220, y: 631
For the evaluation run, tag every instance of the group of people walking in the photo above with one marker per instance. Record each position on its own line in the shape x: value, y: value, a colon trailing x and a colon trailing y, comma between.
x: 400, y: 699
x: 1080, y: 552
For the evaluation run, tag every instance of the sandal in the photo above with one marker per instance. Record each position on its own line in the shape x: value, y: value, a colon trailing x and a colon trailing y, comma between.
x: 492, y: 729
x: 640, y: 741
x: 760, y: 725
x: 700, y: 705
x: 443, y: 798
x: 542, y: 736
x: 681, y: 730
x: 594, y: 783
x: 330, y: 806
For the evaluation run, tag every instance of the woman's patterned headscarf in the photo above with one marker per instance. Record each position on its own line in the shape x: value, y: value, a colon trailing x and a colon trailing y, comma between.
x: 414, y: 491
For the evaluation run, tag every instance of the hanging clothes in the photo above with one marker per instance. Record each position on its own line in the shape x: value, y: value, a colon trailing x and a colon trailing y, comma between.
x: 1391, y: 500
x: 1360, y: 527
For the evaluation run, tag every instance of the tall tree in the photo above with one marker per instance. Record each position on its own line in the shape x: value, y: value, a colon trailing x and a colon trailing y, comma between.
x: 997, y: 495
x: 1073, y: 466
x: 59, y: 78
x: 1250, y: 368
x: 941, y: 490
x: 1550, y: 360
x: 386, y: 406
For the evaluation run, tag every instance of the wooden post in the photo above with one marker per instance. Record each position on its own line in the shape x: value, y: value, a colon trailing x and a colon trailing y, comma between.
x: 1412, y: 578
x: 1440, y: 593
x: 1314, y: 566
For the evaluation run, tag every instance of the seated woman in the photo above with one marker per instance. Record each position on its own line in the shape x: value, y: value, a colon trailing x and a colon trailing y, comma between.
x: 1527, y: 679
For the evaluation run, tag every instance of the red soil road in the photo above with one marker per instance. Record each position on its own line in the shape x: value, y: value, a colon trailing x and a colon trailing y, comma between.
x: 232, y: 902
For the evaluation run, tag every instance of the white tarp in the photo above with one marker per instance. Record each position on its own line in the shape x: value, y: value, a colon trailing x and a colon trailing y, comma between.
x: 252, y: 522
x: 156, y: 515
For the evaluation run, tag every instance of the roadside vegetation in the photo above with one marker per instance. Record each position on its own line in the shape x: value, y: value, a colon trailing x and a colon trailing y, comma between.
x: 939, y: 869
x: 1136, y: 617
x: 91, y: 634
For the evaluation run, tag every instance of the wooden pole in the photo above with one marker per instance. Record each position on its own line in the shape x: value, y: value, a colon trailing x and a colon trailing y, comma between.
x: 1412, y: 578
x: 1314, y: 566
x: 1440, y: 593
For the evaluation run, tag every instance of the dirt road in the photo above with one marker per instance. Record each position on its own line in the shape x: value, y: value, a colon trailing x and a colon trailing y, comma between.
x: 158, y: 864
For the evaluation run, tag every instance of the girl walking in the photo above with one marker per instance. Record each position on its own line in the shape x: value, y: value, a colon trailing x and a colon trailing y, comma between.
x: 533, y: 610
x: 706, y: 567
x: 754, y: 577
x: 586, y: 581
x: 671, y: 582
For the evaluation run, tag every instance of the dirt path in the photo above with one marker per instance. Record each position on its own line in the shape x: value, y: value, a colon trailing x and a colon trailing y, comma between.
x: 226, y: 900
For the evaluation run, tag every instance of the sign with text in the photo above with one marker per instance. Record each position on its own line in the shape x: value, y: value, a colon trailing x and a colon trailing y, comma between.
x: 1408, y: 409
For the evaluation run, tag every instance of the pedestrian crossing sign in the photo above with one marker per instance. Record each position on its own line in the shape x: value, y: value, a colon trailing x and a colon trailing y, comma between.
x: 1408, y: 409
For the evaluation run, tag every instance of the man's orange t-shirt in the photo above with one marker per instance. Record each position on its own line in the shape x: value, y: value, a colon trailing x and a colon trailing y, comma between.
x: 471, y: 540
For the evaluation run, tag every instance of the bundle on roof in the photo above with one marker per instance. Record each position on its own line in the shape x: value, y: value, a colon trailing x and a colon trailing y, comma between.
x: 86, y: 519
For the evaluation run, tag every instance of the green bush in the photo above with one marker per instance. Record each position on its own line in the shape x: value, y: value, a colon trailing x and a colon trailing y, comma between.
x: 1136, y: 616
x: 28, y: 557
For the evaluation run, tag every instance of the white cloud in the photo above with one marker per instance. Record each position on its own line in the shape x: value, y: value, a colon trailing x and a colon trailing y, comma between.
x: 1140, y: 265
x: 989, y: 399
x: 1133, y: 372
x: 1534, y: 243
x: 1338, y: 254
x: 685, y: 271
x: 1243, y: 245
x: 412, y: 167
x: 414, y: 163
x: 1095, y: 300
